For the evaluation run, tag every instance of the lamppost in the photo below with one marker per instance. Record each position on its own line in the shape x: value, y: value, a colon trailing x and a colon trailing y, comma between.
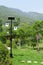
x: 11, y: 18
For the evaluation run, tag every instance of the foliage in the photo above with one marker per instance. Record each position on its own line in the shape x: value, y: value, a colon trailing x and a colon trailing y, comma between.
x: 2, y: 38
x: 3, y: 54
x: 26, y: 33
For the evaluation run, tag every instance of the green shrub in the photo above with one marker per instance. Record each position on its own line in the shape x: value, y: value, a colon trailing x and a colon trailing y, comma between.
x: 4, y: 55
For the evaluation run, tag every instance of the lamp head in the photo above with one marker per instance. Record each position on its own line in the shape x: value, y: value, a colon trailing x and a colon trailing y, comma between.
x: 11, y: 18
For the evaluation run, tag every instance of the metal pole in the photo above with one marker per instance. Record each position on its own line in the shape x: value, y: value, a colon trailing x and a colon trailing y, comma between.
x: 11, y: 18
x: 11, y: 39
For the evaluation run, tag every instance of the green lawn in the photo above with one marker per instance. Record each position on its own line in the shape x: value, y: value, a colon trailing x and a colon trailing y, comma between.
x: 26, y: 55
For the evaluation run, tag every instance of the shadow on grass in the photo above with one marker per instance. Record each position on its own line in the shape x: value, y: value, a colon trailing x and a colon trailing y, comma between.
x: 18, y: 55
x: 37, y: 48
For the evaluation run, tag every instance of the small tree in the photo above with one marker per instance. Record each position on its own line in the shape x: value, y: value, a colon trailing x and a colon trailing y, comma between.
x: 38, y: 37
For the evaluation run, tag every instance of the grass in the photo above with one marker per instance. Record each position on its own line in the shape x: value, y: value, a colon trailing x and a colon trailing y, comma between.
x: 26, y: 54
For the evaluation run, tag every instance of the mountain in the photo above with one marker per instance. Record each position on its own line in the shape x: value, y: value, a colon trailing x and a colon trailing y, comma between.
x: 35, y: 15
x: 25, y: 17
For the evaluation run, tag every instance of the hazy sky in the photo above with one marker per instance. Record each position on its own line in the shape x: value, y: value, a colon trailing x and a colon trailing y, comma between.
x: 24, y: 5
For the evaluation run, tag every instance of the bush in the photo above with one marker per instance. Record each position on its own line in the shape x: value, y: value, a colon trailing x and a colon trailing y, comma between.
x: 3, y: 54
x: 8, y: 43
x: 3, y: 39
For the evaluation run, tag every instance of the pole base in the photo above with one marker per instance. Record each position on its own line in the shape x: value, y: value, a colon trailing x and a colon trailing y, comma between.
x: 11, y: 55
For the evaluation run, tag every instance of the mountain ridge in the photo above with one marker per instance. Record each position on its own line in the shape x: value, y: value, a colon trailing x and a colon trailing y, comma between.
x: 6, y: 11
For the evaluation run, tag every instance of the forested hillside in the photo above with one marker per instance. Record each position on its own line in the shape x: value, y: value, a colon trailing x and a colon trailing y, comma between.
x: 25, y: 17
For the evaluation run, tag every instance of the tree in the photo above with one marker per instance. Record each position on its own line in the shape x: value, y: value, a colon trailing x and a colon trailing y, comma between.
x: 37, y: 28
x: 22, y: 36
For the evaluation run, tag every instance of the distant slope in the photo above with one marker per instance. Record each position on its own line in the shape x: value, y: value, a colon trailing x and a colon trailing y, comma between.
x: 35, y: 15
x: 25, y: 17
x: 5, y: 12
